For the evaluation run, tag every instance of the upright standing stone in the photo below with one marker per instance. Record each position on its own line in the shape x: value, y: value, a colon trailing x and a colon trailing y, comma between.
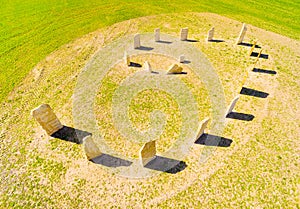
x: 157, y: 34
x: 137, y: 41
x: 47, y: 118
x: 147, y: 66
x: 242, y: 34
x: 232, y: 105
x: 184, y: 34
x: 181, y: 58
x: 90, y: 148
x: 147, y: 152
x: 210, y: 35
x: 126, y: 59
x: 174, y: 69
x: 202, y: 127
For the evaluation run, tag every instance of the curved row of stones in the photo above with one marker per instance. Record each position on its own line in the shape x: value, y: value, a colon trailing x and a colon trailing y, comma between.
x: 51, y: 124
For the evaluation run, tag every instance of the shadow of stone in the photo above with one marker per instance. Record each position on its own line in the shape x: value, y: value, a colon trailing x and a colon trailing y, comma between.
x: 145, y: 48
x: 70, y: 134
x: 166, y: 165
x: 264, y: 56
x: 192, y: 40
x: 249, y: 45
x: 186, y: 62
x: 240, y: 116
x: 216, y: 41
x: 165, y: 42
x: 182, y: 73
x: 212, y: 140
x: 111, y: 161
x: 253, y: 92
x: 258, y: 70
x: 134, y: 64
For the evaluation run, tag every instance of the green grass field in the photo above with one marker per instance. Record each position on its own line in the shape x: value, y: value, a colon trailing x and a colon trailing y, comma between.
x: 30, y: 30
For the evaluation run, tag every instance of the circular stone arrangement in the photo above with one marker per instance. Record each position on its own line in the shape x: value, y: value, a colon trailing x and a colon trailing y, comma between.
x: 94, y: 72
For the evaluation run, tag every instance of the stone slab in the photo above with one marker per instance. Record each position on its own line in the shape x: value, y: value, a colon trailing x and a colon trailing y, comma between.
x: 202, y: 127
x: 174, y: 69
x: 184, y: 34
x: 157, y: 34
x: 147, y: 152
x: 232, y: 104
x: 210, y: 35
x: 137, y: 41
x: 242, y: 34
x: 90, y: 148
x: 47, y: 118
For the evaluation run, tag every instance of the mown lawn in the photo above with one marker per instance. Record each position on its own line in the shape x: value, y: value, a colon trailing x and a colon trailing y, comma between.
x: 30, y: 29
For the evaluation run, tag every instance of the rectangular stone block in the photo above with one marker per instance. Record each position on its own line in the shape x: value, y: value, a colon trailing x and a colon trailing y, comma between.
x: 157, y: 34
x: 90, y: 148
x: 174, y: 69
x: 210, y: 35
x: 126, y: 59
x: 147, y: 66
x: 184, y: 34
x: 202, y: 127
x: 47, y: 118
x: 242, y: 34
x: 147, y: 152
x: 181, y: 59
x: 137, y: 41
x: 232, y: 104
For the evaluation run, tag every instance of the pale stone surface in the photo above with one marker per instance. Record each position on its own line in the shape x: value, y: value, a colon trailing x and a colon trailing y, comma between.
x: 174, y: 69
x: 137, y: 41
x: 147, y: 66
x: 202, y: 127
x: 47, y: 118
x: 147, y: 152
x: 210, y: 35
x: 181, y: 59
x: 126, y: 59
x: 90, y: 148
x: 232, y: 105
x: 242, y: 34
x: 157, y: 34
x: 184, y: 34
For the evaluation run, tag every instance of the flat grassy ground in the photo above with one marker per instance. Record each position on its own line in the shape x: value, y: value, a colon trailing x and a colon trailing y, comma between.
x: 30, y: 30
x: 260, y: 169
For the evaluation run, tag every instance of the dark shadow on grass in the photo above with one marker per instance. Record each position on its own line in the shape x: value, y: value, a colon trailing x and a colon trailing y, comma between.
x: 249, y: 45
x: 70, y: 134
x: 134, y: 64
x: 192, y: 40
x: 164, y: 42
x: 166, y: 165
x: 255, y: 54
x: 182, y: 73
x: 240, y: 116
x: 216, y: 41
x: 111, y: 161
x: 258, y: 70
x: 213, y: 140
x: 186, y: 62
x: 254, y: 93
x: 145, y: 48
